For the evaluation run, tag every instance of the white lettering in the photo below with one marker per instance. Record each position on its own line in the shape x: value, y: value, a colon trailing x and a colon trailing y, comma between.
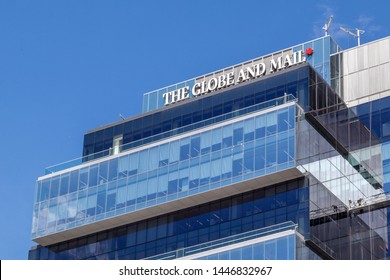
x: 275, y: 65
x: 294, y: 55
x: 221, y: 81
x: 230, y: 79
x: 196, y: 89
x: 212, y: 84
x: 251, y: 72
x: 175, y: 96
x: 287, y: 61
x: 260, y: 69
x: 226, y: 80
x: 301, y: 57
x: 203, y: 87
x: 184, y: 92
x: 241, y: 76
x: 166, y: 96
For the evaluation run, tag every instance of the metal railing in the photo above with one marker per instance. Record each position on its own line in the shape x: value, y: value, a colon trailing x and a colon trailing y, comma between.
x: 234, y: 239
x: 138, y: 143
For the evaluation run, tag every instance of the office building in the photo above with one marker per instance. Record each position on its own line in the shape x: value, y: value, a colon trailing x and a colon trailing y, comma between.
x: 285, y: 156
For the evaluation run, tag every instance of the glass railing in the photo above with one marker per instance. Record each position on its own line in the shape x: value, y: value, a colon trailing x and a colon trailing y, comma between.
x: 234, y: 239
x: 174, y: 132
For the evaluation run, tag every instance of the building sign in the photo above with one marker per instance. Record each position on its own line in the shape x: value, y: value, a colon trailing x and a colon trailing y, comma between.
x: 234, y: 78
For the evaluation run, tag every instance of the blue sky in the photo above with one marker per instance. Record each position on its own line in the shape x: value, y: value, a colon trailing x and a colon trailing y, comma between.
x: 70, y: 66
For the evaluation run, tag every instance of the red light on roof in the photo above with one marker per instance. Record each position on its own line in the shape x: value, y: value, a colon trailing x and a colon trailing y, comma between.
x: 309, y: 51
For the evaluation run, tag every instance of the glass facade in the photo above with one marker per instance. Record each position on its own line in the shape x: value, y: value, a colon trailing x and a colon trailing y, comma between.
x: 277, y: 167
x: 376, y: 116
x: 264, y: 92
x: 280, y: 248
x: 245, y: 212
x: 322, y: 48
x: 217, y: 157
x: 154, y: 126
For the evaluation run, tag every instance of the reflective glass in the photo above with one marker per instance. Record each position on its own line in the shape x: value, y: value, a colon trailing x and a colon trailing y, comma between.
x: 196, y: 225
x: 230, y: 153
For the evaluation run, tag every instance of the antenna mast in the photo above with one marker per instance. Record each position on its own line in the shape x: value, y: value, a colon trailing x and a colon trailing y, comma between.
x: 357, y: 35
x: 326, y: 26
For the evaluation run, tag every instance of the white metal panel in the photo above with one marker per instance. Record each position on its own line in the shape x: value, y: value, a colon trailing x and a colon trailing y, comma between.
x: 379, y: 78
x: 362, y: 58
x: 366, y: 72
x: 363, y: 83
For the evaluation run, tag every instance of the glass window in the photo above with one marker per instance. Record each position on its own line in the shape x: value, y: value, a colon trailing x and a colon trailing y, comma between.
x: 133, y: 164
x: 238, y: 133
x: 62, y: 210
x: 91, y: 202
x: 184, y: 149
x: 101, y: 199
x: 282, y: 248
x: 164, y: 154
x: 64, y: 185
x: 283, y: 120
x: 74, y: 181
x: 111, y: 197
x: 260, y: 126
x: 215, y: 170
x: 153, y: 100
x: 282, y: 148
x: 81, y: 205
x: 72, y: 207
x: 152, y: 188
x: 93, y: 175
x: 249, y: 129
x: 142, y: 190
x: 145, y: 105
x: 83, y: 179
x: 270, y: 250
x: 259, y: 154
x: 235, y: 254
x: 113, y: 170
x: 258, y: 251
x: 162, y: 185
x: 131, y: 190
x: 237, y: 165
x: 173, y: 182
x: 194, y: 176
x: 45, y: 192
x: 216, y: 140
x: 291, y: 147
x: 161, y: 99
x: 205, y: 144
x: 54, y: 187
x: 318, y: 52
x: 247, y: 253
x: 123, y: 166
x: 249, y: 159
x: 291, y: 247
x: 222, y: 256
x: 205, y: 173
x: 270, y: 152
x: 103, y: 172
x: 227, y: 140
x: 154, y: 158
x: 174, y: 151
x: 143, y: 161
x: 271, y: 123
x: 195, y: 146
